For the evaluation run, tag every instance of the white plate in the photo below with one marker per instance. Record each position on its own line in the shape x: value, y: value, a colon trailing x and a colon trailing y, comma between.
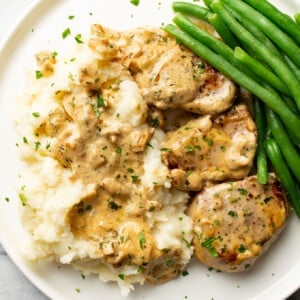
x: 275, y: 276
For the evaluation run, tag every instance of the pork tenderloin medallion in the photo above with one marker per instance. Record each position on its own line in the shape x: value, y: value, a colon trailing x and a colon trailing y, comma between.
x: 168, y: 74
x: 235, y: 223
x: 211, y: 149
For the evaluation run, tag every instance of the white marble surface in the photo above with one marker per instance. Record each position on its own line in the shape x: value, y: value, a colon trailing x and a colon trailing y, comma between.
x: 13, y: 284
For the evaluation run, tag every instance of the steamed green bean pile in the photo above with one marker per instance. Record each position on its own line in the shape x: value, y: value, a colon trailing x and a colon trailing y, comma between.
x: 259, y: 48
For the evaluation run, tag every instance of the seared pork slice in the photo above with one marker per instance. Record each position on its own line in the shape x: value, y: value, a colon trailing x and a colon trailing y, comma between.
x: 211, y: 149
x: 171, y: 76
x: 168, y: 74
x: 235, y: 223
x: 215, y: 96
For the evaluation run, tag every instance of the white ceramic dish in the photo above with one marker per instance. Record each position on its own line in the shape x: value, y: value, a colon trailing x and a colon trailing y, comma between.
x: 275, y: 276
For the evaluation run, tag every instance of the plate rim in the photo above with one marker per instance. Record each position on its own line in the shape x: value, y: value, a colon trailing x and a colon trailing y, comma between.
x: 23, y: 266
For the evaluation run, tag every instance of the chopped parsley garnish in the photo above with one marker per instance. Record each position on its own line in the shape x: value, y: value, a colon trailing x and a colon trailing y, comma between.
x: 242, y: 248
x: 25, y: 141
x: 185, y: 273
x: 78, y: 38
x: 208, y: 244
x: 66, y: 33
x: 188, y: 245
x: 48, y: 145
x: 169, y: 263
x: 100, y: 101
x: 113, y: 205
x: 23, y: 199
x: 243, y: 191
x: 232, y: 213
x: 139, y: 269
x: 189, y: 149
x: 88, y: 207
x: 71, y: 17
x: 6, y: 199
x: 165, y: 149
x: 77, y: 290
x: 54, y: 54
x: 71, y: 76
x: 119, y: 150
x: 267, y: 199
x: 135, y: 2
x: 142, y: 240
x: 209, y: 142
x: 36, y: 114
x: 134, y: 178
x: 38, y: 74
x: 155, y: 122
x: 223, y: 148
x: 37, y: 145
x: 149, y: 145
x: 201, y: 67
x: 121, y: 276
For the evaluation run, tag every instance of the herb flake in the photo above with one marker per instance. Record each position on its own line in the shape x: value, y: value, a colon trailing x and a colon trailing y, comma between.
x: 38, y: 74
x: 78, y: 38
x: 66, y: 33
x: 135, y: 2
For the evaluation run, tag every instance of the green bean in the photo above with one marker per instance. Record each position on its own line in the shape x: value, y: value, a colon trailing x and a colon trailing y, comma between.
x: 297, y: 18
x: 191, y: 10
x: 261, y: 155
x: 256, y: 32
x: 290, y: 104
x: 293, y: 67
x: 222, y: 30
x: 282, y: 171
x: 269, y: 97
x: 285, y: 22
x: 203, y: 36
x: 208, y: 2
x: 260, y: 70
x: 282, y: 40
x: 215, y: 44
x: 287, y: 148
x: 278, y: 65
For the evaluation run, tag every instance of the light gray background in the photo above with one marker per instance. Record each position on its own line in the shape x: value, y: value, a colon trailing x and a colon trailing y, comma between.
x: 13, y: 284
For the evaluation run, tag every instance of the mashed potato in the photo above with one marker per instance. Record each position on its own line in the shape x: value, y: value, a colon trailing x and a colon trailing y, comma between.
x: 94, y: 191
